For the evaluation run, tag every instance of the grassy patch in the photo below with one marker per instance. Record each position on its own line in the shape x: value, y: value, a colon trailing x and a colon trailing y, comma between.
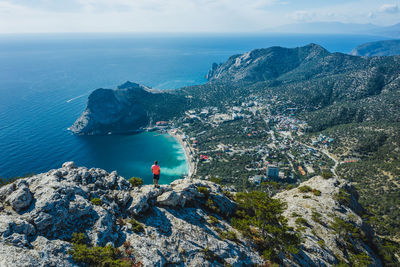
x: 137, y: 227
x: 203, y: 190
x: 135, y: 181
x: 96, y: 201
x: 305, y: 189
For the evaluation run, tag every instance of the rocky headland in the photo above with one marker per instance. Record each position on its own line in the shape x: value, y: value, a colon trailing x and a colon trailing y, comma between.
x: 126, y: 109
x: 379, y: 48
x: 40, y: 214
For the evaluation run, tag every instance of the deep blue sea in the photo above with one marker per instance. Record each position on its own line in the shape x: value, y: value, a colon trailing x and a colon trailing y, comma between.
x: 45, y: 81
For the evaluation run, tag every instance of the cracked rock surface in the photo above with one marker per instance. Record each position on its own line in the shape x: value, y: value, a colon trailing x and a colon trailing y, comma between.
x: 39, y: 214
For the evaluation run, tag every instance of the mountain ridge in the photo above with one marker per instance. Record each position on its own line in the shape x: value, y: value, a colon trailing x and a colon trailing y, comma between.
x: 310, y: 77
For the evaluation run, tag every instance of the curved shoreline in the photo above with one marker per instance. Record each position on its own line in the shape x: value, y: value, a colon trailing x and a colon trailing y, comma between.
x: 186, y: 149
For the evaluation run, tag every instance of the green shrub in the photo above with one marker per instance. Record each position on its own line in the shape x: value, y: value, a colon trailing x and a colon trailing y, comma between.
x: 228, y: 194
x: 316, y: 192
x: 321, y: 242
x: 97, y: 256
x: 362, y: 260
x: 96, y: 201
x: 203, y: 190
x: 316, y: 216
x: 211, y: 206
x: 305, y: 189
x: 137, y: 227
x: 290, y: 186
x: 327, y: 174
x: 216, y: 180
x: 260, y: 217
x: 230, y: 235
x: 79, y: 238
x: 212, y: 220
x: 301, y: 221
x: 306, y: 196
x: 135, y: 181
x: 344, y: 228
x: 343, y: 197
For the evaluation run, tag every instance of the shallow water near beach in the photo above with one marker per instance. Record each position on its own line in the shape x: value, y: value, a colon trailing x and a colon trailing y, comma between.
x: 46, y: 79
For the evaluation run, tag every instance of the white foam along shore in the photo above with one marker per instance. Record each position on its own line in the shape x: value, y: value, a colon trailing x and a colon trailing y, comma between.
x: 185, y: 146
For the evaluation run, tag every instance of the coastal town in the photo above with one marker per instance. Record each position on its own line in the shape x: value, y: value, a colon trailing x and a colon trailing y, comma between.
x: 248, y: 146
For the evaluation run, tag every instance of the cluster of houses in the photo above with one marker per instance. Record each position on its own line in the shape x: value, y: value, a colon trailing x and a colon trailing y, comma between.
x: 289, y: 123
x: 272, y: 174
x: 323, y: 140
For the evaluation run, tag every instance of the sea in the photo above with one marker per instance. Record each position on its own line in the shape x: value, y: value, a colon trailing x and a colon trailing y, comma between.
x: 45, y: 80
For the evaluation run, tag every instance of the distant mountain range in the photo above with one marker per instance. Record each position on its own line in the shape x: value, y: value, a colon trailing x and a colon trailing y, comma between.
x: 339, y: 28
x: 380, y: 48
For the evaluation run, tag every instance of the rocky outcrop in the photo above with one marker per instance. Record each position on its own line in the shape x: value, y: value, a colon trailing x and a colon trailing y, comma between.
x: 126, y: 109
x: 41, y: 213
x: 117, y: 110
x: 316, y: 215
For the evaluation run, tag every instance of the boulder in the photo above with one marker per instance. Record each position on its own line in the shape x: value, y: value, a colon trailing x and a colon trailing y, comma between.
x: 20, y: 199
x: 69, y: 165
x: 172, y: 199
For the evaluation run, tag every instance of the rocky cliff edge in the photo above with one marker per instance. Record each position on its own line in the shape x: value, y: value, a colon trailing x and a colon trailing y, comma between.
x: 38, y: 216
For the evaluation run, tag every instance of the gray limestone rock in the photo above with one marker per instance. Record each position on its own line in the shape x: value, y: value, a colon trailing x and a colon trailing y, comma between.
x: 172, y: 199
x: 21, y: 198
x: 69, y: 165
x: 174, y: 218
x: 320, y: 244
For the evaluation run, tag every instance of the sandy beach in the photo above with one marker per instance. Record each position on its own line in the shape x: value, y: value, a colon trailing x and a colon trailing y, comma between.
x: 188, y: 154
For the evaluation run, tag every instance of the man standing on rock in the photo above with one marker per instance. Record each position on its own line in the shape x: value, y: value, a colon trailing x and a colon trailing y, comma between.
x: 156, y: 173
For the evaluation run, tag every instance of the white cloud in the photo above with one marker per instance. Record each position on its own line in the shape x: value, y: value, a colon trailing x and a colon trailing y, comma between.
x: 389, y: 8
x: 182, y: 15
x: 303, y: 16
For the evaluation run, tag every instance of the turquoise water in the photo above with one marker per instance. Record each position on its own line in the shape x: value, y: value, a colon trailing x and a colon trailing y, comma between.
x: 45, y: 81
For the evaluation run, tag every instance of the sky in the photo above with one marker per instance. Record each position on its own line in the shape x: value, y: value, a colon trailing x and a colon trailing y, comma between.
x: 45, y: 16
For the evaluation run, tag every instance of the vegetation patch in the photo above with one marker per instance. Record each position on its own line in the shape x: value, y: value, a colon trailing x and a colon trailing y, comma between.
x: 301, y: 221
x: 212, y: 207
x: 316, y: 217
x: 230, y: 235
x: 135, y: 181
x: 96, y: 201
x: 203, y: 190
x: 260, y: 218
x: 137, y: 227
x: 305, y: 189
x: 212, y: 220
x: 216, y: 180
x: 82, y: 253
x: 327, y: 174
x: 316, y: 192
x: 343, y: 197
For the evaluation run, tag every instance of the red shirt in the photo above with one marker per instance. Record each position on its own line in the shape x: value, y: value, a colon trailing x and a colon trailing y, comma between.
x: 155, y: 169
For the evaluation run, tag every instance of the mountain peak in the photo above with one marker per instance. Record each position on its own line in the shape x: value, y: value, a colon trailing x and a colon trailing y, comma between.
x: 129, y: 84
x: 265, y: 64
